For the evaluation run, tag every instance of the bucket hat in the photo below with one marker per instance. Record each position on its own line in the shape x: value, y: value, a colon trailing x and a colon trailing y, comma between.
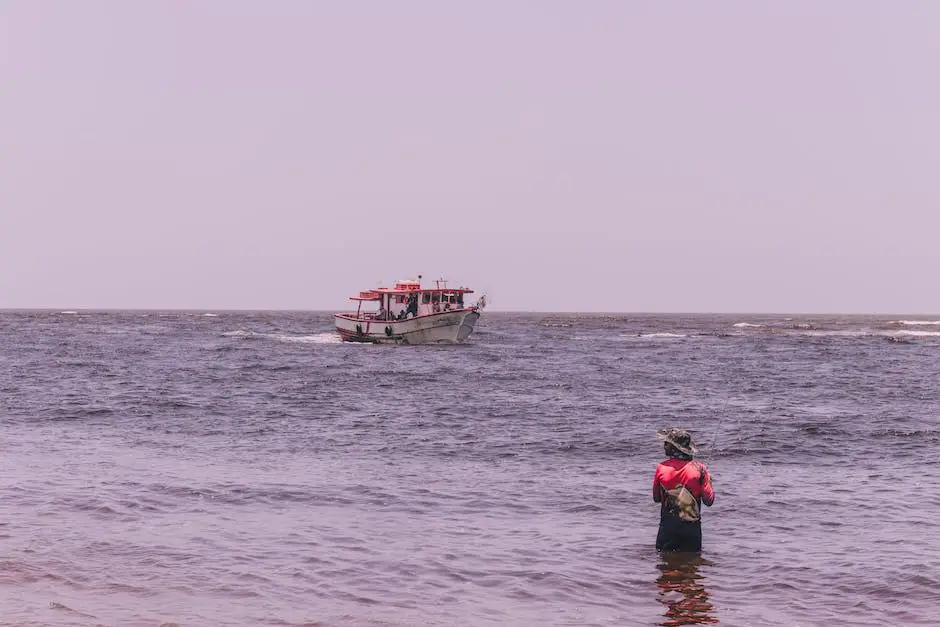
x: 679, y: 438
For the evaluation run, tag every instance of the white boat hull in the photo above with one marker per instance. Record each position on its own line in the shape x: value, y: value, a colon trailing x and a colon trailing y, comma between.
x: 447, y: 327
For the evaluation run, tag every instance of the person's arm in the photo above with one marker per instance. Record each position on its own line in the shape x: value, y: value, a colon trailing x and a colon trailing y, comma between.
x: 708, y: 493
x: 657, y: 489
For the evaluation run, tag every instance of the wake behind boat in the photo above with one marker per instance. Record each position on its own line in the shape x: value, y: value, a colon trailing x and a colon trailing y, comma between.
x: 411, y: 314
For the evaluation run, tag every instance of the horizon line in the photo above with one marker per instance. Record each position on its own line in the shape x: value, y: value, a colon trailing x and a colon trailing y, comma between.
x: 491, y: 311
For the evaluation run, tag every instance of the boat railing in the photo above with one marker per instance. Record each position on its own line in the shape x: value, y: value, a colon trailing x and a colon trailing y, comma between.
x: 437, y: 309
x: 372, y: 316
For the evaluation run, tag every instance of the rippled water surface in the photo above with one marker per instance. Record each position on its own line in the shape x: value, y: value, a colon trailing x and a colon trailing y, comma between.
x: 179, y: 468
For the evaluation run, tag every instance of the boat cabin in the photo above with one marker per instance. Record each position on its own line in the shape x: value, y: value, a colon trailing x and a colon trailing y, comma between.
x: 409, y: 300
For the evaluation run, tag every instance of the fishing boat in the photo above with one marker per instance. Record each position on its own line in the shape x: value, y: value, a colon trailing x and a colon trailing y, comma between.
x: 411, y: 314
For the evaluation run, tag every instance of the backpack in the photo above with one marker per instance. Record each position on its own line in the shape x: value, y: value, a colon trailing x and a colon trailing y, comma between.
x: 681, y: 503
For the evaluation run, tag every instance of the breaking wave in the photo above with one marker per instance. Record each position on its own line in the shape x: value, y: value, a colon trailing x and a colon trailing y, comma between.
x: 320, y: 338
x: 328, y: 337
x: 243, y: 334
x: 830, y: 333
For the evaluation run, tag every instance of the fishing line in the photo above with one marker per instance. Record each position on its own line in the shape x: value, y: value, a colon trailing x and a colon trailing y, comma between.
x: 723, y: 411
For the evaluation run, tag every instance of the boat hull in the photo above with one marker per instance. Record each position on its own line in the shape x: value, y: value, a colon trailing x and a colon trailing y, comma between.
x: 447, y: 327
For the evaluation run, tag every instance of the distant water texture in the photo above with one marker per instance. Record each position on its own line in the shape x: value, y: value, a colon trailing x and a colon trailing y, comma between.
x: 182, y: 468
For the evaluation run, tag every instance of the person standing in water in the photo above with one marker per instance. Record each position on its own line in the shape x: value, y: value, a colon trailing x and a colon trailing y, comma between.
x: 681, y: 485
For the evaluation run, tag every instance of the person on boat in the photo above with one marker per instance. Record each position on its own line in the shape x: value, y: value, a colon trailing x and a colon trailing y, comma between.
x: 680, y: 485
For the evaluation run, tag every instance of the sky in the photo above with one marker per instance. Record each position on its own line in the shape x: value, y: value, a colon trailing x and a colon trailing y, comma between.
x: 605, y: 155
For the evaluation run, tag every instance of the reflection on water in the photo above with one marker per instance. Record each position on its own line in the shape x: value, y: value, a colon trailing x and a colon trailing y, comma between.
x: 682, y: 590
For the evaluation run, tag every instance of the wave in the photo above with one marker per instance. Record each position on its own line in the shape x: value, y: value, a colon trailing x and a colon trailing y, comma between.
x: 917, y: 333
x: 917, y: 322
x: 244, y: 334
x: 863, y: 333
x: 210, y: 315
x: 328, y: 337
x: 746, y: 324
x: 829, y: 333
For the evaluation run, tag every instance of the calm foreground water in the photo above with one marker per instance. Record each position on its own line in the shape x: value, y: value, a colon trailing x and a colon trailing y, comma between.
x: 190, y: 469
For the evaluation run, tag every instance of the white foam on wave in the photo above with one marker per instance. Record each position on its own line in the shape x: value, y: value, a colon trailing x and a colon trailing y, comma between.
x: 68, y: 313
x: 210, y: 315
x: 742, y: 325
x: 242, y: 333
x: 914, y: 323
x: 863, y: 333
x: 661, y: 335
x: 320, y: 338
x: 825, y: 333
x: 913, y: 333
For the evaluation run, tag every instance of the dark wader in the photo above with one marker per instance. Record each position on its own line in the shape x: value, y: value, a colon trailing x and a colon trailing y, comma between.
x: 678, y: 535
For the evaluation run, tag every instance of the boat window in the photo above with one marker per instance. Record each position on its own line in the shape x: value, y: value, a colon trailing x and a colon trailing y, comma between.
x: 399, y: 299
x: 460, y: 298
x: 426, y: 298
x: 436, y: 297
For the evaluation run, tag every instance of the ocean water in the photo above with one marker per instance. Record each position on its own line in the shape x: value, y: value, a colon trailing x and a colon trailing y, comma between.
x: 240, y: 468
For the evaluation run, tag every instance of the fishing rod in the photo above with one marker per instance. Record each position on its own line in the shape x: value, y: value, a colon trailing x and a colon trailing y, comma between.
x: 711, y: 446
x: 707, y: 458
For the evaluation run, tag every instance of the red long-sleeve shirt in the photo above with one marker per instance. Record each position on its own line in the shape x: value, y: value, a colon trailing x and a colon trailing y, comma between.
x: 692, y: 474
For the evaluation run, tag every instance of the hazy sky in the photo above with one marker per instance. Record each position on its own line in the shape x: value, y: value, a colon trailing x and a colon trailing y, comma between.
x: 561, y: 156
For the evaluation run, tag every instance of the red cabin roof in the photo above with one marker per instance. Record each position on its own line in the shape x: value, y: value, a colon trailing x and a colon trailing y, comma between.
x: 367, y: 295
